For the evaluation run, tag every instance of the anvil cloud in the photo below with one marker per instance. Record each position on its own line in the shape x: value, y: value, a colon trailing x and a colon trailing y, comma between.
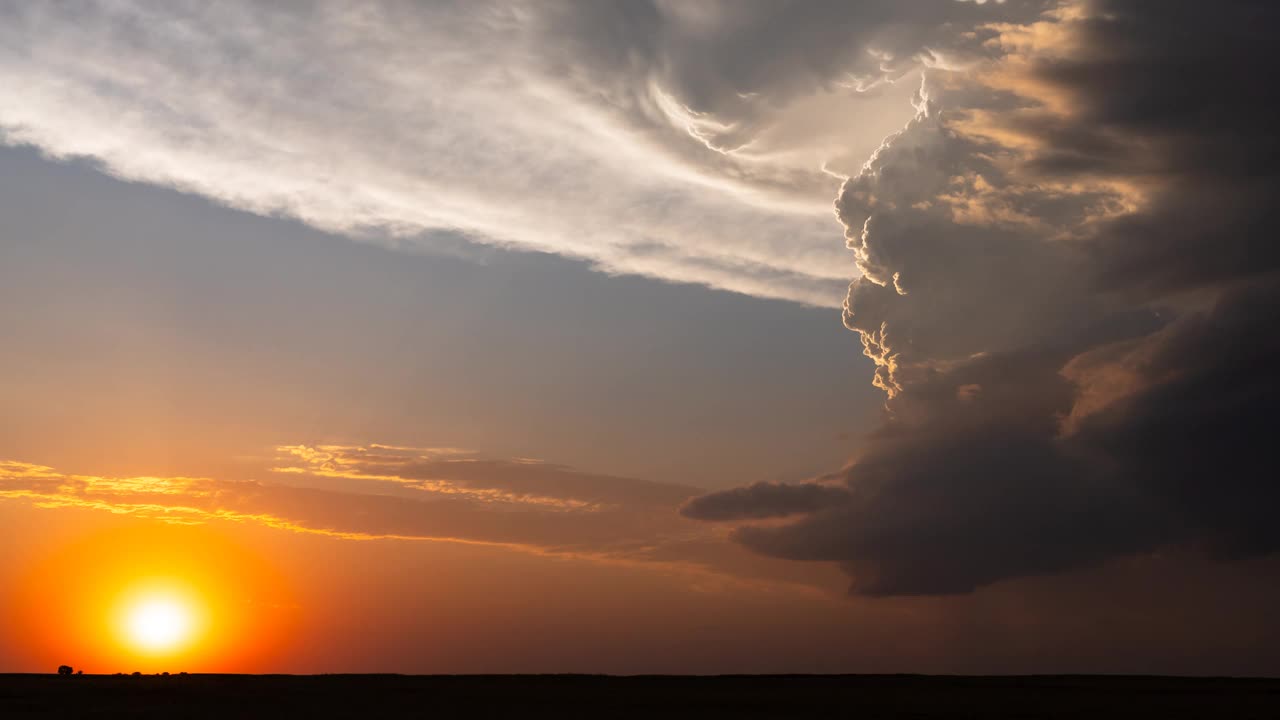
x: 645, y: 138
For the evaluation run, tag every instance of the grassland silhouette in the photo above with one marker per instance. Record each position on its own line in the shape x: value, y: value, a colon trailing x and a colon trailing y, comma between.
x: 561, y: 696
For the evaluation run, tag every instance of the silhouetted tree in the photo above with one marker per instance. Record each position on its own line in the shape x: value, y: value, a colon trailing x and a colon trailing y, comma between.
x: 64, y: 669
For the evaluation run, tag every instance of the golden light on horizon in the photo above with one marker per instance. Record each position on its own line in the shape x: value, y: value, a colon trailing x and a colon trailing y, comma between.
x: 155, y: 598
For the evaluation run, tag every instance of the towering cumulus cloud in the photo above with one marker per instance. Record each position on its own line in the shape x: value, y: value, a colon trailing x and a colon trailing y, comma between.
x: 691, y: 142
x: 1071, y: 294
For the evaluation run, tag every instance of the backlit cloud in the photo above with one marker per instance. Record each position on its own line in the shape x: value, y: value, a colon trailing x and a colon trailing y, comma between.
x: 1069, y: 291
x: 692, y: 143
x: 524, y: 506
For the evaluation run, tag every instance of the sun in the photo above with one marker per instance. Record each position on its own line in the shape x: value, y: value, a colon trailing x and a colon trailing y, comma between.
x: 159, y: 624
x: 151, y: 598
x: 160, y: 621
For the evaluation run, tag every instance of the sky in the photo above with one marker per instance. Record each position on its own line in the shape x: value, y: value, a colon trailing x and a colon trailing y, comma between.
x: 639, y: 337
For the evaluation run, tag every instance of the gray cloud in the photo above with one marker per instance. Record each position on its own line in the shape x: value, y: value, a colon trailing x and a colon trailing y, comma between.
x: 764, y: 500
x: 1069, y: 292
x: 945, y: 232
x: 1191, y: 422
x: 1176, y: 93
x: 725, y: 90
x: 967, y: 483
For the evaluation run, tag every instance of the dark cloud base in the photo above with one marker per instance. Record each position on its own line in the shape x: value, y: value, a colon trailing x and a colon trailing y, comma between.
x: 1069, y: 383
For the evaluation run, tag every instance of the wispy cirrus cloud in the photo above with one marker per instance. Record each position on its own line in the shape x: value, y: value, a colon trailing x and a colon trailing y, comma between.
x: 452, y: 472
x: 691, y: 143
x: 523, y: 506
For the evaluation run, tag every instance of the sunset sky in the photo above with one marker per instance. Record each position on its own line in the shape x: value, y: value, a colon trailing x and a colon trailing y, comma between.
x: 651, y: 336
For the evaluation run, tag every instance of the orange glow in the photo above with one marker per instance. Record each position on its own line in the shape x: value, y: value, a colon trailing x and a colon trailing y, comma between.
x: 154, y: 598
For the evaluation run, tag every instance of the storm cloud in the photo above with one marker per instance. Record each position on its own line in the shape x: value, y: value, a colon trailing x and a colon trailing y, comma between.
x: 1057, y: 217
x: 1070, y: 290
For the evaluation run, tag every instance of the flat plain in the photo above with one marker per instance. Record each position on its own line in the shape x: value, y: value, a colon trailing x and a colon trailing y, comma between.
x: 561, y: 696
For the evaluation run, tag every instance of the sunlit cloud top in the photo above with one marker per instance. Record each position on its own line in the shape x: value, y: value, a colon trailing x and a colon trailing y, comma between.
x: 644, y: 139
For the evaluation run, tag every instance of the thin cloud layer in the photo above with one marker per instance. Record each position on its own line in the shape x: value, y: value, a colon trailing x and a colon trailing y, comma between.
x: 389, y: 493
x: 694, y: 143
x: 471, y: 509
x: 461, y: 474
x: 1071, y: 298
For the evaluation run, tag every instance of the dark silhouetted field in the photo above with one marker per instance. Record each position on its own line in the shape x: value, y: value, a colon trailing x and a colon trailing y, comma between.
x: 561, y: 696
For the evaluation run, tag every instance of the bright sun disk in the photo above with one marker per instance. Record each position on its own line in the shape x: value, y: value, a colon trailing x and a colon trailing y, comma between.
x: 157, y: 624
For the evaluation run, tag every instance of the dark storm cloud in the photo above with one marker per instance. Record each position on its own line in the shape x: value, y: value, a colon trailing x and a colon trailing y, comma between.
x: 1071, y: 293
x: 764, y: 500
x: 966, y: 484
x: 1180, y: 93
x: 1197, y: 434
